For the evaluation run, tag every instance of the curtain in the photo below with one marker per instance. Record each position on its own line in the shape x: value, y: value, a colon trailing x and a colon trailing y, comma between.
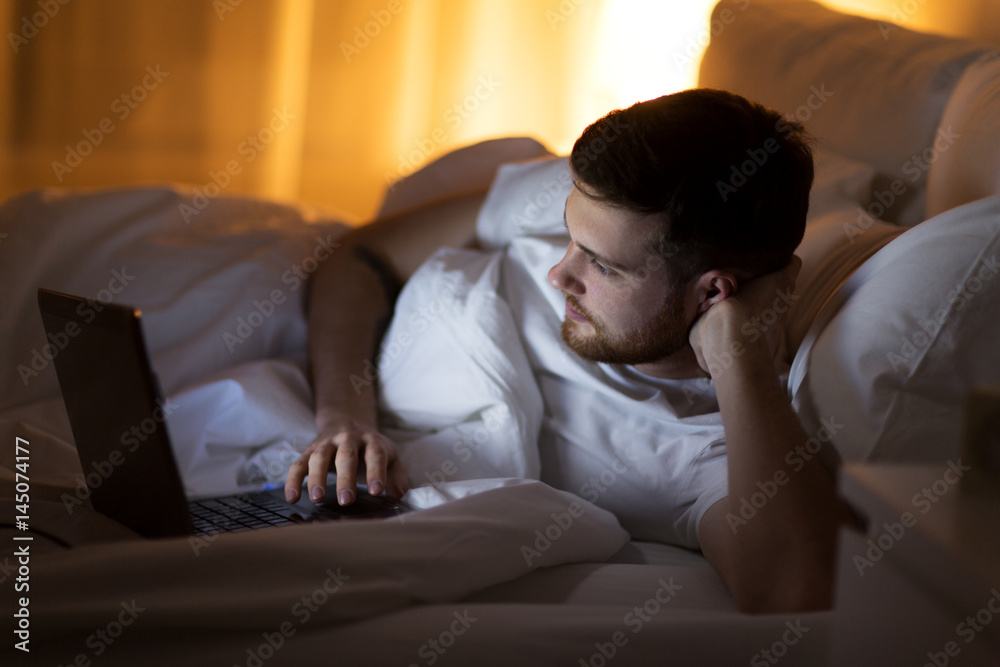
x: 325, y: 101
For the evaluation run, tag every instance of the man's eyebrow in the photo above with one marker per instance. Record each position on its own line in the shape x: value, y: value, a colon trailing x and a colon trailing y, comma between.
x: 611, y: 264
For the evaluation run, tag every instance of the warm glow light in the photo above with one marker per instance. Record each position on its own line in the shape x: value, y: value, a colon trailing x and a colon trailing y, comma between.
x: 649, y: 48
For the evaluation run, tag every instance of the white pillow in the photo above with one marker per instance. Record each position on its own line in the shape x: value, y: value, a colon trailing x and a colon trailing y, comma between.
x: 915, y: 330
x: 969, y: 169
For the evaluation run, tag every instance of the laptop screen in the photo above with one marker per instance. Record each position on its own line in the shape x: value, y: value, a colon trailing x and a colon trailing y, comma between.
x: 116, y: 413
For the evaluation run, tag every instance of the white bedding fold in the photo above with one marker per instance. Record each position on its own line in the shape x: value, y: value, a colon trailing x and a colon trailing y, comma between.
x: 457, y: 393
x: 349, y: 570
x: 241, y: 428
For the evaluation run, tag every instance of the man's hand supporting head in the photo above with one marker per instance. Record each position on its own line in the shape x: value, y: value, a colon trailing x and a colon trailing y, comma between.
x: 782, y: 558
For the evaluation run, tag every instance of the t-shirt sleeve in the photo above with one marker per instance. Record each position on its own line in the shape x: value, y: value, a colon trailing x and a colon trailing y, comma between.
x: 525, y: 198
x: 708, y: 484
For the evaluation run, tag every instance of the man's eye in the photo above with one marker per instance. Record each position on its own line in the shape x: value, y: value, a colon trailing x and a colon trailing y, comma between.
x: 600, y: 267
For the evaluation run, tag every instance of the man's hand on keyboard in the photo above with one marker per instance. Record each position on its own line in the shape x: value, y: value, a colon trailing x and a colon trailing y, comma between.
x: 343, y: 442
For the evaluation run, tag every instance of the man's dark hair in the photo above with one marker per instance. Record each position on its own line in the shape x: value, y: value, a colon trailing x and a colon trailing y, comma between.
x: 729, y: 179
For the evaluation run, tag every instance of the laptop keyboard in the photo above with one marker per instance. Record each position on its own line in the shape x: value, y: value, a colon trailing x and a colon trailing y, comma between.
x: 234, y: 514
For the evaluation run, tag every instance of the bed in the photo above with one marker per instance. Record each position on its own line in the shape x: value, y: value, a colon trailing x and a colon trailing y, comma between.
x: 894, y: 324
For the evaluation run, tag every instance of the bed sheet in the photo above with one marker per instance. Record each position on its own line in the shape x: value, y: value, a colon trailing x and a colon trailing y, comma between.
x: 395, y: 596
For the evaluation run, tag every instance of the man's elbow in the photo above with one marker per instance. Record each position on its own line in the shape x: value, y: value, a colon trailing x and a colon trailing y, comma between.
x: 766, y: 574
x: 802, y: 592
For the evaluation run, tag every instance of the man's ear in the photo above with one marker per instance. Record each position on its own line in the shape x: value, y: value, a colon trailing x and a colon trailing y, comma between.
x: 712, y: 287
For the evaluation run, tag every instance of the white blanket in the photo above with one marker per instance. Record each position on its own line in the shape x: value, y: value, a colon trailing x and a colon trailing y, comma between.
x: 278, y: 580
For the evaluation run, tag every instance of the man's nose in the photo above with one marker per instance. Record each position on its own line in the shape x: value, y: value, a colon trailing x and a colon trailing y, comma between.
x: 562, y: 276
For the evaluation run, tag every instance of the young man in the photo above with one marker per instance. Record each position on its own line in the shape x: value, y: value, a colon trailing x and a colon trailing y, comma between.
x: 682, y: 221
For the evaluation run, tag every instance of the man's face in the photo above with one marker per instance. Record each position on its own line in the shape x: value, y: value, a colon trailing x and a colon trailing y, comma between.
x: 620, y: 307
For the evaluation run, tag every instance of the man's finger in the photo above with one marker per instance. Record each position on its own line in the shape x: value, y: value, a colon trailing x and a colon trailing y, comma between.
x: 319, y: 465
x: 376, y: 462
x: 347, y: 473
x: 296, y: 473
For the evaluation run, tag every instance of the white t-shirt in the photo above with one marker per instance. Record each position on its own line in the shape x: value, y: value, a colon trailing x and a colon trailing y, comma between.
x: 650, y: 450
x: 476, y: 382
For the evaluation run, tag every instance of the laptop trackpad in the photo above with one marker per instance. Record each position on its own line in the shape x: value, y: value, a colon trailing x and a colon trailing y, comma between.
x: 365, y: 506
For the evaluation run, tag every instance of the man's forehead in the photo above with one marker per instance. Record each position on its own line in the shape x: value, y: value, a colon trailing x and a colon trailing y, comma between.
x: 591, y: 209
x: 626, y: 237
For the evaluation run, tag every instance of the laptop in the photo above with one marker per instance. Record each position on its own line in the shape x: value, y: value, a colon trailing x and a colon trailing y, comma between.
x: 115, y: 410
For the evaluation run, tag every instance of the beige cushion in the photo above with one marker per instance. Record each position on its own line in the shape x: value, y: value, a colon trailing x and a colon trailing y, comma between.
x: 834, y: 246
x: 969, y: 169
x: 865, y: 88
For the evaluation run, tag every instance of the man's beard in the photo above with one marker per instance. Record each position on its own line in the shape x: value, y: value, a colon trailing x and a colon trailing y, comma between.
x: 663, y: 336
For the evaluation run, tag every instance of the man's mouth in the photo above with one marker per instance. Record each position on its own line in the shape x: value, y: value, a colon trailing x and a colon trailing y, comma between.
x: 574, y: 314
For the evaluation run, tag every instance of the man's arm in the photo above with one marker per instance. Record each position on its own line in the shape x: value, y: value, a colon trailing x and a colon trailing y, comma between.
x: 782, y: 559
x: 350, y: 302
